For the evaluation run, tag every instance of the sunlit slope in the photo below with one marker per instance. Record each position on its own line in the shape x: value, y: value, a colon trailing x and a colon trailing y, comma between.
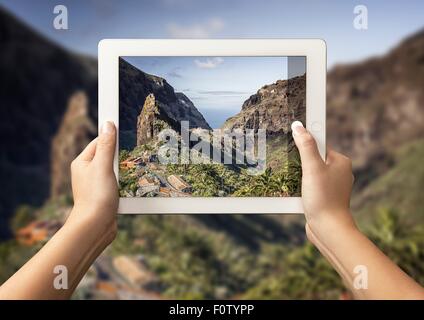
x: 400, y: 188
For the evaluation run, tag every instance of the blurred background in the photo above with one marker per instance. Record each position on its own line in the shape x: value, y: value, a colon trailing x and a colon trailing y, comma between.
x: 375, y: 114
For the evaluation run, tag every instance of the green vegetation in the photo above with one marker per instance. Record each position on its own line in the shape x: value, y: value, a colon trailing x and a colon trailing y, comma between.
x: 273, y: 183
x: 281, y: 178
x: 12, y: 257
x: 23, y: 215
x: 401, y: 240
x: 208, y: 257
x: 193, y: 262
x: 210, y: 180
x: 400, y: 188
x: 301, y: 274
x: 127, y: 181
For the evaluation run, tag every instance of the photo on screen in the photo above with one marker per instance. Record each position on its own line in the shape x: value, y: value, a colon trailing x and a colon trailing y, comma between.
x: 210, y: 126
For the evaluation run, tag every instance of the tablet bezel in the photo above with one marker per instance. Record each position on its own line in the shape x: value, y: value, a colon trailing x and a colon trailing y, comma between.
x: 109, y: 51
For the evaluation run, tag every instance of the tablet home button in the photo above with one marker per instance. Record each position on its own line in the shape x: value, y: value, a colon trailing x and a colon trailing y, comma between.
x: 316, y: 126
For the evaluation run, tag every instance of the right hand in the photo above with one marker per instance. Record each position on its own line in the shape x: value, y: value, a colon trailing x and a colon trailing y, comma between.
x: 326, y: 186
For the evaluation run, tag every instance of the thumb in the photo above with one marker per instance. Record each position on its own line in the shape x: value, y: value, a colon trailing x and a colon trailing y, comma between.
x: 305, y: 142
x: 106, y: 145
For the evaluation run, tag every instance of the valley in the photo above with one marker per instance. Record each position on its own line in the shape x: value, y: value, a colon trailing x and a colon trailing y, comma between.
x: 271, y: 167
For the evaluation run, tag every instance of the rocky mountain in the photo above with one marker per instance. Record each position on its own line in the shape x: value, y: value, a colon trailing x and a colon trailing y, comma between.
x: 37, y: 79
x: 376, y: 106
x: 274, y: 107
x: 134, y: 87
x: 152, y: 120
x: 75, y: 132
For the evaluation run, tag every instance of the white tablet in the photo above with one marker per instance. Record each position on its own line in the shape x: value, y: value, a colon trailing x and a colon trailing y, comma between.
x: 204, y: 125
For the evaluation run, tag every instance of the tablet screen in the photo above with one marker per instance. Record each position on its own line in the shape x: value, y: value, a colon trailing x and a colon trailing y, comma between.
x: 210, y: 126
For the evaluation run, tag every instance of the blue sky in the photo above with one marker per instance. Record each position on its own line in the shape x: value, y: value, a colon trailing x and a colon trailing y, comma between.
x: 331, y: 20
x: 218, y: 86
x: 92, y: 20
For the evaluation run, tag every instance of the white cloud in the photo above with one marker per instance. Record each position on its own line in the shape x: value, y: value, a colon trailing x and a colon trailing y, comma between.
x: 204, y: 30
x: 209, y: 63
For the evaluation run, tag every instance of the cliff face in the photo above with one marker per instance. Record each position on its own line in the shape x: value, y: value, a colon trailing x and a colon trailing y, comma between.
x: 76, y: 130
x: 376, y: 106
x: 152, y: 120
x: 274, y: 107
x: 135, y: 86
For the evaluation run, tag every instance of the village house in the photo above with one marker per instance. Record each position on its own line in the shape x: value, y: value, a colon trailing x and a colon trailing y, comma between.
x: 37, y: 231
x: 164, y: 192
x: 147, y: 184
x: 107, y: 289
x: 153, y: 166
x: 131, y: 163
x: 132, y: 270
x: 179, y: 184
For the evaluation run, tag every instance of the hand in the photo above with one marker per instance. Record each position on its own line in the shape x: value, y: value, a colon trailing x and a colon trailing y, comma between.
x: 326, y: 186
x: 94, y: 185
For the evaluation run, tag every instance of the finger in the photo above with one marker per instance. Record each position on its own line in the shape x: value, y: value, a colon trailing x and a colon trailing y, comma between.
x: 307, y: 146
x: 88, y: 153
x: 105, y: 150
x: 331, y: 156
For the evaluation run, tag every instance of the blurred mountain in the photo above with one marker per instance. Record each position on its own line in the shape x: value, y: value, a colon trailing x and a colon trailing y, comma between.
x: 376, y: 106
x: 75, y: 132
x: 37, y: 79
x: 135, y: 86
x: 274, y: 107
x: 399, y: 188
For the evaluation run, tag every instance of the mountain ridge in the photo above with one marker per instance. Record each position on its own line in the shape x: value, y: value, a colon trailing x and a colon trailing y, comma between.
x: 273, y: 107
x: 363, y: 110
x: 135, y: 86
x: 37, y: 79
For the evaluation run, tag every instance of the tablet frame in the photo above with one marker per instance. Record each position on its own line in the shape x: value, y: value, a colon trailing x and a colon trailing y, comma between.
x: 109, y: 51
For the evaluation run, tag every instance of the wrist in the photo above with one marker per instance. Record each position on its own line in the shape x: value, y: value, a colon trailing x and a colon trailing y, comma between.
x: 91, y: 227
x: 328, y: 228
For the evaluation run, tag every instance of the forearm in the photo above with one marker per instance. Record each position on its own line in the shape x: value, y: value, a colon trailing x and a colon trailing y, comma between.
x: 346, y: 248
x: 74, y: 246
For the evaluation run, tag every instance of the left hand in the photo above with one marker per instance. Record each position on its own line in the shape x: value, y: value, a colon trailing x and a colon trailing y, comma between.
x: 94, y: 184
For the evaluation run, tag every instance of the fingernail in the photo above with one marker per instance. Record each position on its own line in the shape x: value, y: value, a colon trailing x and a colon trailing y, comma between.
x: 107, y: 127
x: 297, y: 128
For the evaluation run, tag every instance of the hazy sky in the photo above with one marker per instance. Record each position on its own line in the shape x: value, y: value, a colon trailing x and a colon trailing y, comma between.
x: 218, y: 86
x: 92, y: 20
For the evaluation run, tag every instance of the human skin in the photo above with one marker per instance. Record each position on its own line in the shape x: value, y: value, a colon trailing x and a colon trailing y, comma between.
x: 89, y: 229
x: 91, y: 226
x: 326, y: 190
